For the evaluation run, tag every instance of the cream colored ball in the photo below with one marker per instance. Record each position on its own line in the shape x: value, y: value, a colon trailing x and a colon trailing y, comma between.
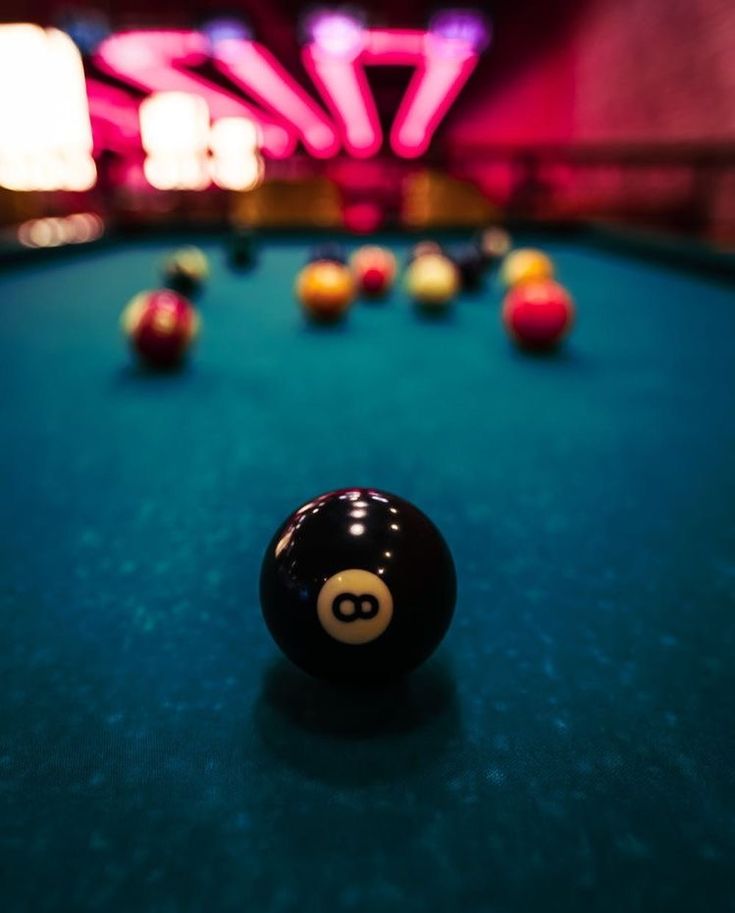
x: 432, y: 281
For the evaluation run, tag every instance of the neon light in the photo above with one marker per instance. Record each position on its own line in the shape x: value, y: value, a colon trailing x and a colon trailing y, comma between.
x: 460, y: 29
x: 174, y: 127
x: 343, y: 85
x: 443, y: 61
x: 156, y: 61
x: 394, y: 47
x: 254, y: 69
x: 430, y: 94
x: 114, y: 117
x: 45, y: 132
x: 333, y: 60
x: 335, y: 34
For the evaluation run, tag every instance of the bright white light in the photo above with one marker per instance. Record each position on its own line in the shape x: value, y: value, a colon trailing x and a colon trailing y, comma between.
x: 45, y: 132
x: 173, y: 123
x: 233, y: 135
x: 234, y: 175
x: 236, y: 163
x: 176, y: 173
x: 174, y: 128
x: 79, y: 170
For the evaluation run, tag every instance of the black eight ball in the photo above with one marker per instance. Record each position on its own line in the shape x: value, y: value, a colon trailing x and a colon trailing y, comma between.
x: 358, y: 586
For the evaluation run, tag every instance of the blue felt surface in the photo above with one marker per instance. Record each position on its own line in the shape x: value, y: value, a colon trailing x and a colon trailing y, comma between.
x: 571, y: 745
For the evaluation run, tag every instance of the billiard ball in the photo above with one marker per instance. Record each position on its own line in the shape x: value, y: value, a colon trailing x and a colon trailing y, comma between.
x: 357, y: 586
x: 538, y: 314
x: 160, y: 327
x: 330, y: 251
x: 374, y: 269
x: 241, y: 249
x: 325, y: 289
x: 493, y: 244
x: 186, y: 270
x: 471, y: 265
x: 433, y: 282
x: 421, y: 249
x: 525, y: 264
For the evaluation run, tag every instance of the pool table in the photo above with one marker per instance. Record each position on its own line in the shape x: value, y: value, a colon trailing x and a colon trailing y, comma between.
x: 570, y: 746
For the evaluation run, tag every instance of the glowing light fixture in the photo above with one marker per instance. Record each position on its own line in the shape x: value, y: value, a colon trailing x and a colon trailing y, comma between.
x: 256, y: 71
x: 174, y: 128
x: 78, y: 228
x: 339, y: 50
x: 332, y: 57
x: 450, y: 54
x: 84, y: 227
x: 177, y: 138
x: 236, y: 163
x: 429, y: 96
x: 162, y: 61
x: 458, y: 30
x: 45, y: 133
x: 336, y: 34
x: 394, y: 47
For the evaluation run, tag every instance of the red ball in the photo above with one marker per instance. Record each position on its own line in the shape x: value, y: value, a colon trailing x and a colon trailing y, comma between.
x: 374, y: 269
x: 374, y: 280
x: 538, y: 314
x: 160, y: 327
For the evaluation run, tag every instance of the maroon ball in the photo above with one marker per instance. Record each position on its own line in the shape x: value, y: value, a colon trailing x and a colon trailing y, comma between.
x: 160, y: 326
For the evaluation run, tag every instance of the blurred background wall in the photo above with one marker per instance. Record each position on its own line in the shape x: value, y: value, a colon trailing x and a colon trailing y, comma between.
x: 644, y: 71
